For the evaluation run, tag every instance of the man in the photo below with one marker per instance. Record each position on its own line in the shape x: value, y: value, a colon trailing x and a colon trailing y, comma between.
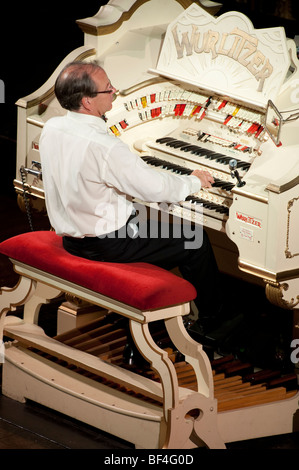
x: 90, y: 178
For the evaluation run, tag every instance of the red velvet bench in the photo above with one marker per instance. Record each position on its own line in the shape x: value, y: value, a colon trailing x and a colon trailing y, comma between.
x: 141, y: 292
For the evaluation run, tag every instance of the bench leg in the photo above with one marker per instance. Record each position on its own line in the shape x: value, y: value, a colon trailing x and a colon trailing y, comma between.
x: 194, y: 423
x: 12, y: 297
x: 197, y: 414
x: 159, y: 361
x: 193, y: 353
x: 42, y: 295
x: 190, y: 420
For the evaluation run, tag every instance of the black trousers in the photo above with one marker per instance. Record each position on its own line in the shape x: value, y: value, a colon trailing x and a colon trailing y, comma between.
x: 165, y: 245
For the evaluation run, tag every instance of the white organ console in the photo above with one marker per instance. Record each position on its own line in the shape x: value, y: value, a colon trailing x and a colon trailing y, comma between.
x: 199, y: 91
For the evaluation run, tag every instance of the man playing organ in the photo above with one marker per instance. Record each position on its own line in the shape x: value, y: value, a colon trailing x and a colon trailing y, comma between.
x: 203, y: 131
x: 90, y: 179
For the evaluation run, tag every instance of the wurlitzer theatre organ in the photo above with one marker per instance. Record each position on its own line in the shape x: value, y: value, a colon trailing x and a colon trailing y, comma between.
x: 206, y: 92
x: 206, y: 95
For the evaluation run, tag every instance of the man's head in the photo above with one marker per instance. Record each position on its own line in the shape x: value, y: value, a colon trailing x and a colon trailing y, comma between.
x: 84, y: 88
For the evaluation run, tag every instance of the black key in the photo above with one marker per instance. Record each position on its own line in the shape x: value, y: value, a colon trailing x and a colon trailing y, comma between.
x: 227, y: 186
x: 202, y: 152
x: 166, y: 165
x: 185, y: 171
x: 186, y: 147
x: 223, y: 184
x: 224, y: 160
x: 193, y: 148
x: 209, y: 205
x: 217, y: 182
x: 154, y: 161
x: 163, y: 140
x: 244, y: 165
x: 175, y: 143
x: 214, y: 156
x: 148, y: 158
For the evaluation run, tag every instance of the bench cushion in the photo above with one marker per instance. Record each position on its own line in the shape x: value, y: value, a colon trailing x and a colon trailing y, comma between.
x: 140, y: 285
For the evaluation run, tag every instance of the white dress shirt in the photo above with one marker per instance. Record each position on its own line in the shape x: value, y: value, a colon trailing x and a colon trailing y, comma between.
x: 90, y: 177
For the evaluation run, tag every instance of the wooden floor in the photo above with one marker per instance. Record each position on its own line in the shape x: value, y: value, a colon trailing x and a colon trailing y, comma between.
x: 31, y: 426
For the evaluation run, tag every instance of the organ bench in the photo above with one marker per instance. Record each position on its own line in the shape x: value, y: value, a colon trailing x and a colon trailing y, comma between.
x: 141, y: 292
x: 152, y: 410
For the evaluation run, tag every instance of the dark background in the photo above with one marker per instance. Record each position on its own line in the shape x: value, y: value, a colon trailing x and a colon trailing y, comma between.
x: 34, y: 38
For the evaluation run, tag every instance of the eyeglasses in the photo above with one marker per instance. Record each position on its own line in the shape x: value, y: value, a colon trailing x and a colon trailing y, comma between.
x: 111, y: 88
x: 106, y: 91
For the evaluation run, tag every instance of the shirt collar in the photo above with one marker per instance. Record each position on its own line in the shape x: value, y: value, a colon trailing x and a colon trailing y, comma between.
x: 88, y: 119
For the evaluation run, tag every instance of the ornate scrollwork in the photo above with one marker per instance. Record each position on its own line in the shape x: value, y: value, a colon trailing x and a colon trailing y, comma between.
x: 275, y: 292
x: 75, y: 300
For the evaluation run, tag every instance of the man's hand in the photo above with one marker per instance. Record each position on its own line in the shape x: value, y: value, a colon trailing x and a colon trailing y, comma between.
x: 205, y: 177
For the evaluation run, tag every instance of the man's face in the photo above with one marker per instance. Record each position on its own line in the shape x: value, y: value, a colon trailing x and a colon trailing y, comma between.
x: 102, y: 102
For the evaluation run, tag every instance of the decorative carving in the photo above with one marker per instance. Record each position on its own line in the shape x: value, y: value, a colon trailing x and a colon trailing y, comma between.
x: 11, y: 297
x: 199, y: 49
x: 275, y: 293
x: 75, y: 300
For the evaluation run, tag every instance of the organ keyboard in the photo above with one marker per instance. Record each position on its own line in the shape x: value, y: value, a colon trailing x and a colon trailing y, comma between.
x: 204, y: 136
x: 196, y: 91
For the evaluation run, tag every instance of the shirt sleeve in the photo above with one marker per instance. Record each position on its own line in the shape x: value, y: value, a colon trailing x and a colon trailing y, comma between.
x: 128, y: 173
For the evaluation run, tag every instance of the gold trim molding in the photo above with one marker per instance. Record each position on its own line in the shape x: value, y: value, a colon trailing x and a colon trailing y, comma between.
x: 248, y: 195
x: 274, y: 188
x: 31, y: 190
x: 268, y: 276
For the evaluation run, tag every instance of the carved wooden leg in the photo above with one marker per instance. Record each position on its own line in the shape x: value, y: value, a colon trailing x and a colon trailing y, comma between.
x: 193, y: 353
x: 160, y: 362
x: 11, y: 297
x: 183, y: 430
x: 194, y: 421
x: 42, y: 295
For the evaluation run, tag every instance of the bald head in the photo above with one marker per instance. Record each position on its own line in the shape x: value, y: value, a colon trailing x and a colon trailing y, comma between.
x: 74, y: 82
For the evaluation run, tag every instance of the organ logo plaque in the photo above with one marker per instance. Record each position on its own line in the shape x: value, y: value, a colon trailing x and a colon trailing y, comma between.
x: 225, y: 54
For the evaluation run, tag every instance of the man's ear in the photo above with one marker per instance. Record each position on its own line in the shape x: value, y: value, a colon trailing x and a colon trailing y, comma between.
x: 86, y: 102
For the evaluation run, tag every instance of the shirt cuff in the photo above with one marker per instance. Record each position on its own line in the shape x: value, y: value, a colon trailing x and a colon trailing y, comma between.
x: 195, y: 184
